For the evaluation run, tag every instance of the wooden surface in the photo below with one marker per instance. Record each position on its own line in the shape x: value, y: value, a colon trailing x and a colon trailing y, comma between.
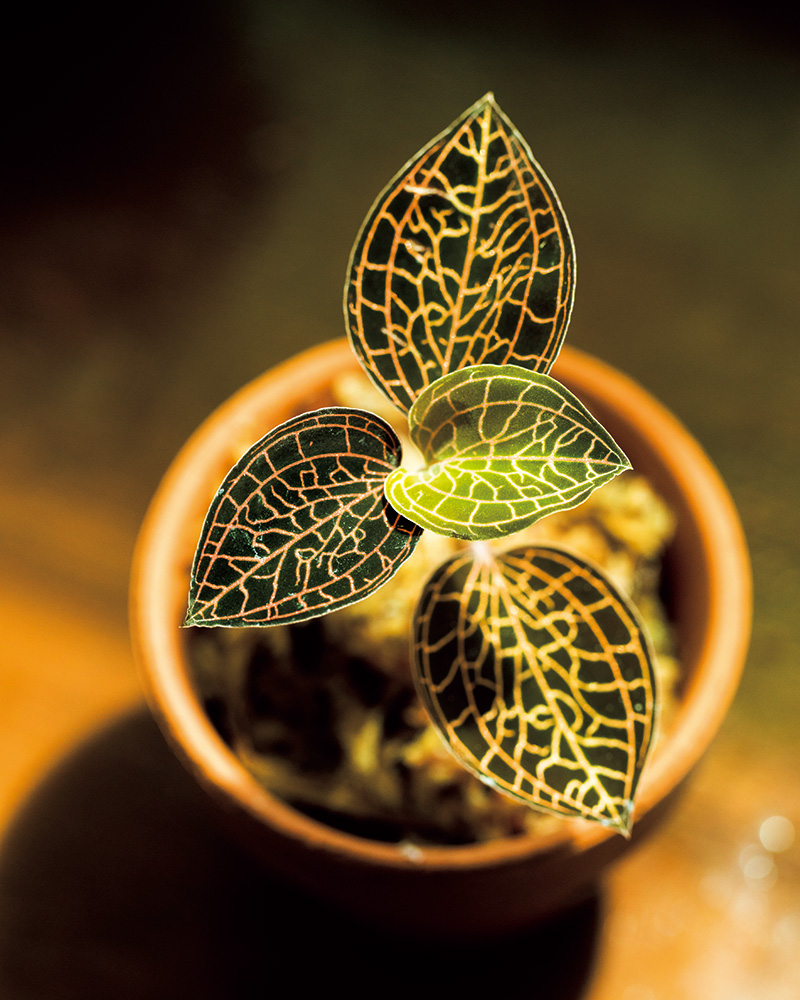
x: 175, y: 216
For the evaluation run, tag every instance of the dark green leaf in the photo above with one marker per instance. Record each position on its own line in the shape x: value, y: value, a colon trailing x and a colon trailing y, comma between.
x: 504, y: 446
x: 465, y: 258
x: 300, y: 526
x: 537, y: 674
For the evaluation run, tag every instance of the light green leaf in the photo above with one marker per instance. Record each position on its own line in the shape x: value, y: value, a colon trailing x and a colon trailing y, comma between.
x: 538, y: 676
x: 503, y: 447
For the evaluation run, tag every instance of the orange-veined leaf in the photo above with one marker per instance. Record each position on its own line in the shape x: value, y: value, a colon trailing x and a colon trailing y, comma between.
x: 300, y: 526
x: 538, y: 676
x: 465, y: 258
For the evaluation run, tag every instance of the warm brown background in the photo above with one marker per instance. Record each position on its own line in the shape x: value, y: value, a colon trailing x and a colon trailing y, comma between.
x: 180, y: 184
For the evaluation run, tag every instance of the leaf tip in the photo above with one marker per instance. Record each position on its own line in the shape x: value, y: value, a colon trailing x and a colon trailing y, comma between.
x: 622, y: 823
x: 191, y: 617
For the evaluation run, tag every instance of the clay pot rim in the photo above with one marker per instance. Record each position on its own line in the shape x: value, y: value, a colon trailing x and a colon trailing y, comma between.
x: 158, y: 581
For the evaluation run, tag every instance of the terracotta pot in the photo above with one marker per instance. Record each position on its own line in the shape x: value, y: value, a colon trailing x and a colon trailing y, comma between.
x: 507, y: 883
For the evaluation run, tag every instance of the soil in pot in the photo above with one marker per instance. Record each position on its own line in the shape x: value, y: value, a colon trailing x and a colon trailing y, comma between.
x: 325, y: 715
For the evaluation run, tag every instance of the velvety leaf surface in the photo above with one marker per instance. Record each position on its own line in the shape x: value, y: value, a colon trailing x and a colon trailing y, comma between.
x: 503, y: 447
x: 538, y: 676
x: 465, y: 258
x: 300, y: 526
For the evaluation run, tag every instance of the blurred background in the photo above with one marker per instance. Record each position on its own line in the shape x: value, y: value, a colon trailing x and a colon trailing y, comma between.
x: 180, y: 186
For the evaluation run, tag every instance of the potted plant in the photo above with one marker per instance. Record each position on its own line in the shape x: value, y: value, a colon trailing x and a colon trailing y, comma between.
x: 532, y: 664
